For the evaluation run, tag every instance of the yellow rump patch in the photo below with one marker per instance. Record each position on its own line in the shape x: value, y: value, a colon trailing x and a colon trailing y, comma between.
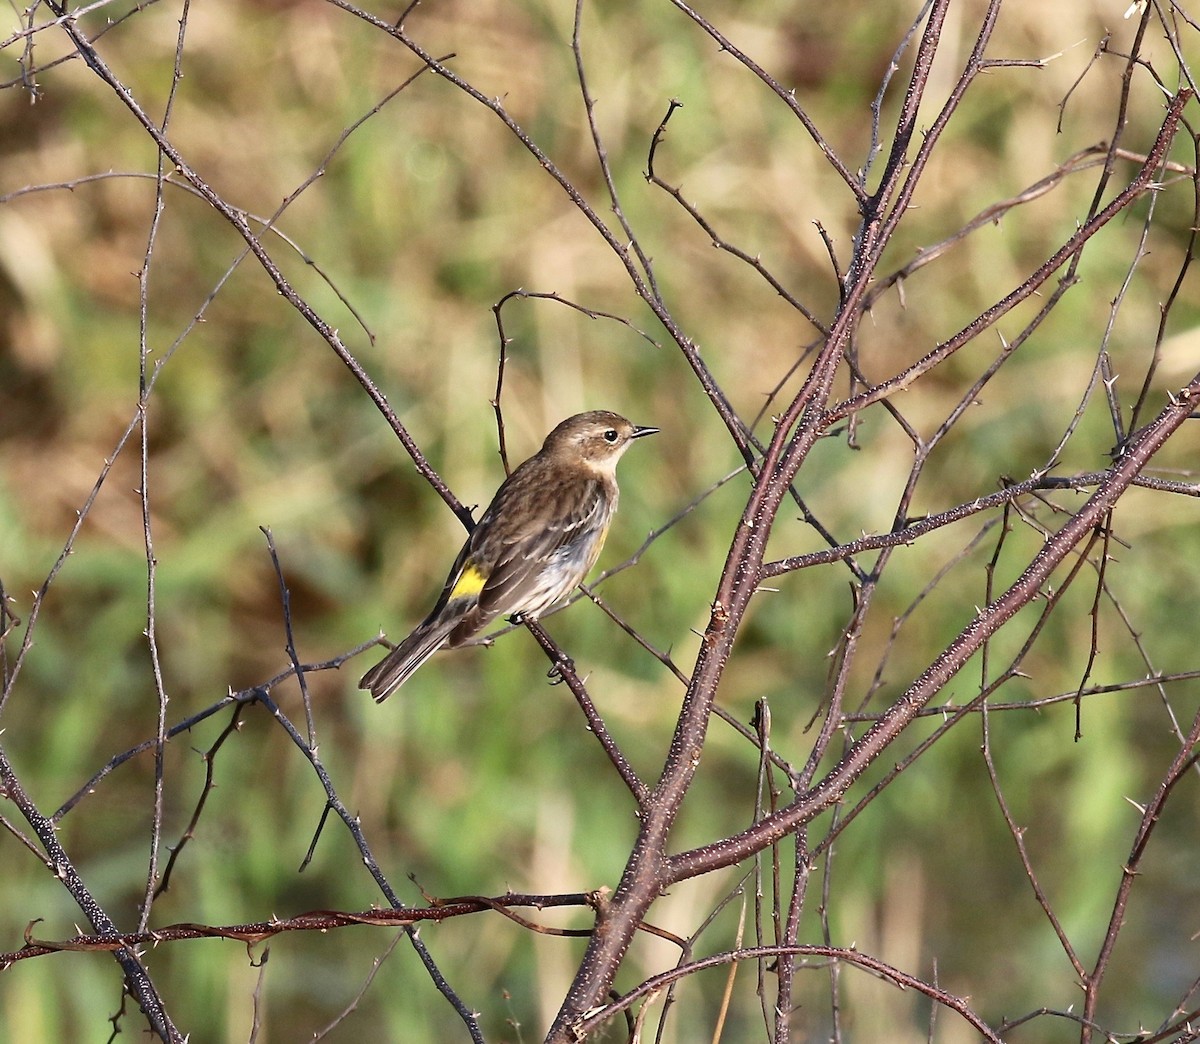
x: 469, y: 583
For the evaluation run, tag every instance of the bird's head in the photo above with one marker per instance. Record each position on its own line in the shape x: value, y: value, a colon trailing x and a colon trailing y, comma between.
x: 596, y: 439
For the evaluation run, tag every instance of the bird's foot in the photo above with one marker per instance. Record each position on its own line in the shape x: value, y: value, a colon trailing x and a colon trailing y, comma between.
x: 556, y: 672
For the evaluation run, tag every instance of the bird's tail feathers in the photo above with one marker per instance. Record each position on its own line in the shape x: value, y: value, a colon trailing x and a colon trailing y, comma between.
x: 393, y: 670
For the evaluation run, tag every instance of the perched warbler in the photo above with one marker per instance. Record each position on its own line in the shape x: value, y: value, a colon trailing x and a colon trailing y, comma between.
x: 538, y: 539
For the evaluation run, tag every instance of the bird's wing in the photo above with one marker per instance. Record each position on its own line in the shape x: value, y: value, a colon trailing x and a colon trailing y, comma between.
x: 517, y: 581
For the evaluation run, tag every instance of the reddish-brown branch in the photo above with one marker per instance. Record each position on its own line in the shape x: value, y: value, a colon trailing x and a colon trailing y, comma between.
x: 1141, y: 448
x: 312, y: 921
x: 1185, y: 759
x: 1141, y: 183
x: 648, y: 869
x: 881, y: 969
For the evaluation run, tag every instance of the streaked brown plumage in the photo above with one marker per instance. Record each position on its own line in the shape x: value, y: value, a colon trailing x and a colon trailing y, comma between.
x: 539, y: 538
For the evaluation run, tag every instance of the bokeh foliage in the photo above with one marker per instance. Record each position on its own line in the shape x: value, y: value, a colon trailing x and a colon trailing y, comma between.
x: 479, y: 777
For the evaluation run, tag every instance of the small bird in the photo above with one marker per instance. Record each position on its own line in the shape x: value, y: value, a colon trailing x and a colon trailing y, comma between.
x: 539, y: 538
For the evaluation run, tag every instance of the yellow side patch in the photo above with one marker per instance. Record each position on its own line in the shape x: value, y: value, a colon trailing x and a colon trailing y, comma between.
x: 469, y: 583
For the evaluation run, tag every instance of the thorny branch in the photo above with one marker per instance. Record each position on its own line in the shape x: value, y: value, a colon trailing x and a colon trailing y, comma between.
x: 312, y: 921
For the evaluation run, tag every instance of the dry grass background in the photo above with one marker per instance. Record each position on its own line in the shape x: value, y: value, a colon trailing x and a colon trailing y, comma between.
x: 479, y: 777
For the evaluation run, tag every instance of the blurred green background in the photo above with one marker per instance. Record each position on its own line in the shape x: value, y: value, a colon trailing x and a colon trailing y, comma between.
x: 479, y: 777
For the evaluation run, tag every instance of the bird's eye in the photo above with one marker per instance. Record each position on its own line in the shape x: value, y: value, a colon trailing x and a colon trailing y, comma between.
x: 611, y: 435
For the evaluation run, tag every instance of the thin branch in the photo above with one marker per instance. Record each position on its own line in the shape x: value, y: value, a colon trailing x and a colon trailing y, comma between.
x: 1140, y: 449
x: 137, y: 978
x: 584, y: 1026
x: 563, y: 669
x: 256, y: 932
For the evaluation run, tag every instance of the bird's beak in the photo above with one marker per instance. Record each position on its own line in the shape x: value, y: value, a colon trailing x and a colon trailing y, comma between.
x: 639, y: 432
